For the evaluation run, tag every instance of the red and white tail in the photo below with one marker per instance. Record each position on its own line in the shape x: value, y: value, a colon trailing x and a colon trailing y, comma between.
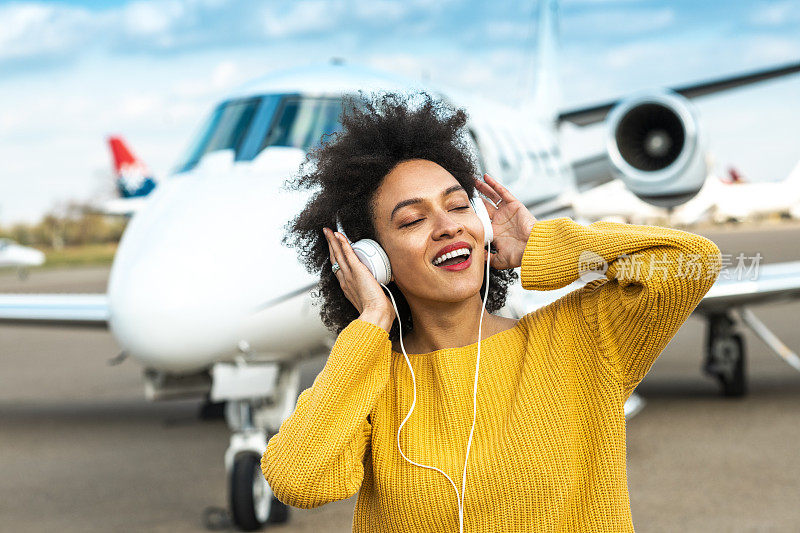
x: 133, y: 177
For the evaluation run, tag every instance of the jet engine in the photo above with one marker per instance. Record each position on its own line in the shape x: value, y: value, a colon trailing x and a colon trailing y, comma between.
x: 654, y: 146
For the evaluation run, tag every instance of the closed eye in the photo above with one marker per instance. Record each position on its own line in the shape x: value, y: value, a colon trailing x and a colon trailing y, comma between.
x: 411, y: 223
x: 420, y: 219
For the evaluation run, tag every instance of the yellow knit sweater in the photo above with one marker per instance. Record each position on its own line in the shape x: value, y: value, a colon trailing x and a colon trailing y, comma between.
x: 548, y: 453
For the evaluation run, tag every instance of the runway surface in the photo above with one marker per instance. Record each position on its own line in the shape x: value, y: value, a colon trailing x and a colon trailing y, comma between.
x: 82, y: 450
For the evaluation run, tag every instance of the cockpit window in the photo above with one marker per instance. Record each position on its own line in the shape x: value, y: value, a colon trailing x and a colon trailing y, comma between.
x: 225, y: 129
x: 301, y: 122
x: 250, y: 125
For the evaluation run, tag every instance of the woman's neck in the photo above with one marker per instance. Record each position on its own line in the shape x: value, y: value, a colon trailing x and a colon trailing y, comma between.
x: 448, y: 325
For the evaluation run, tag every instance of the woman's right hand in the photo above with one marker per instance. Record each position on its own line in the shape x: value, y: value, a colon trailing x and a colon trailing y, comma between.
x: 358, y: 283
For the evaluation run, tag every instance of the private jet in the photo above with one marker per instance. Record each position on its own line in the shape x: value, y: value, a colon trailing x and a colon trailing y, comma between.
x: 743, y: 201
x: 203, y: 295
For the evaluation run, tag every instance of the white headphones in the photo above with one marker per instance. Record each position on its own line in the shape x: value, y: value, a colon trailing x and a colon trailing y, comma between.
x: 374, y: 257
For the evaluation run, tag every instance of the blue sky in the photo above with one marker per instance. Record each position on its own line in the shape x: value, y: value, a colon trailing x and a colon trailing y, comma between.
x: 74, y: 72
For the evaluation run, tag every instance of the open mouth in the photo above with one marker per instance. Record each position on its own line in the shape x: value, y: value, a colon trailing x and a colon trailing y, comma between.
x: 454, y: 257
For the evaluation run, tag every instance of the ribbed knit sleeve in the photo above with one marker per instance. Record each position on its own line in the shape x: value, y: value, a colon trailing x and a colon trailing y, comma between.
x: 317, y: 455
x: 655, y: 278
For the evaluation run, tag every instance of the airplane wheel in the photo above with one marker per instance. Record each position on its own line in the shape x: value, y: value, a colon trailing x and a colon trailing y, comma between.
x: 252, y: 503
x: 279, y: 514
x: 728, y: 365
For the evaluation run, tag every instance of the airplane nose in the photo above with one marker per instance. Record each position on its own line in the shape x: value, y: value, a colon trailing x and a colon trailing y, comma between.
x: 189, y: 271
x: 168, y: 309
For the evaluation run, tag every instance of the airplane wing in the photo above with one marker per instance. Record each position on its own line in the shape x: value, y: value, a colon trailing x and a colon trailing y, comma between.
x: 125, y: 207
x: 597, y: 113
x: 773, y: 283
x: 87, y: 310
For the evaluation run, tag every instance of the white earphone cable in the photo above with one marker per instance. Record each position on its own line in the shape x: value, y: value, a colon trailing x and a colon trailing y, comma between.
x: 459, y: 496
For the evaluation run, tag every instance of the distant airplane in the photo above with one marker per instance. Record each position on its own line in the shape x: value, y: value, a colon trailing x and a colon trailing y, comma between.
x: 13, y: 255
x: 614, y: 201
x: 720, y: 199
x: 204, y: 296
x: 741, y: 201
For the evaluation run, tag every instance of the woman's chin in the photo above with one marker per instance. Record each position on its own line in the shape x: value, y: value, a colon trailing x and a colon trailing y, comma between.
x: 459, y: 290
x: 443, y: 285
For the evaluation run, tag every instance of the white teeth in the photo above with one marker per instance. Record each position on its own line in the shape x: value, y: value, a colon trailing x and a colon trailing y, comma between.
x: 455, y: 253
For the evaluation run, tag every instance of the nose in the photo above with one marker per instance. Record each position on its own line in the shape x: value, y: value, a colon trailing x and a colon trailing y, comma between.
x: 446, y: 226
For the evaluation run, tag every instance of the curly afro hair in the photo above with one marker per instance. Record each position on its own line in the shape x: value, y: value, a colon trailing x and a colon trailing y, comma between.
x: 378, y: 132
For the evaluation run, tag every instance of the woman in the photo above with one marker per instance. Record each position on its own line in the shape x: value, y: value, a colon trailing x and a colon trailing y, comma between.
x: 548, y: 452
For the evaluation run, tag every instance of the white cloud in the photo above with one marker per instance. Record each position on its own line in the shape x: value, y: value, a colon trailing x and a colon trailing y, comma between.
x: 776, y: 14
x: 769, y: 49
x: 33, y: 29
x: 619, y: 22
x: 386, y: 11
x: 509, y: 29
x: 302, y: 17
x: 148, y: 18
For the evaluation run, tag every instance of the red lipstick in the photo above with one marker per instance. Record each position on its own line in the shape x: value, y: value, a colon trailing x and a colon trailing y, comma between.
x: 459, y: 266
x: 450, y: 248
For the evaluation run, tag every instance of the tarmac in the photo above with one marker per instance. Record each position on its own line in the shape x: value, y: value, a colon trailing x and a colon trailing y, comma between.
x: 82, y: 450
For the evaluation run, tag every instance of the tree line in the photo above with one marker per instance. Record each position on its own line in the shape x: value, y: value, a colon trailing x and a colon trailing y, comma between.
x: 75, y: 224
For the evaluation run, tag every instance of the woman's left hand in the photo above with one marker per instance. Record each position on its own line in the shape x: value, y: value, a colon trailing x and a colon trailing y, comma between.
x: 511, y: 221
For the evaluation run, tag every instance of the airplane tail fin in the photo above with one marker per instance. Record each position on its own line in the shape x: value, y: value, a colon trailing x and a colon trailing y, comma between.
x: 542, y: 97
x: 133, y: 177
x: 734, y: 176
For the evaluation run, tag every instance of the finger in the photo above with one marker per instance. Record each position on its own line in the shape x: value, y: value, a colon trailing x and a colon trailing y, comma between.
x: 340, y: 244
x: 327, y: 233
x: 485, y: 188
x: 349, y: 254
x: 338, y: 257
x: 504, y: 193
x: 487, y: 191
x: 351, y: 260
x: 328, y: 240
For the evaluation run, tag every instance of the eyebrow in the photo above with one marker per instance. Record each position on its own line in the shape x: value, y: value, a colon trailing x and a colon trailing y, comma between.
x: 412, y: 201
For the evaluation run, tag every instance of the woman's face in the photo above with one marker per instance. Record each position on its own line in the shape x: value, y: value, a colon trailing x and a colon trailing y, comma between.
x: 422, y: 212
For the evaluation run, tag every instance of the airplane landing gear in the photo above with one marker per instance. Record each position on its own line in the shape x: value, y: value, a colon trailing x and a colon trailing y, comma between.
x: 258, y: 398
x: 725, y: 359
x: 252, y: 503
x: 211, y: 410
x: 725, y: 355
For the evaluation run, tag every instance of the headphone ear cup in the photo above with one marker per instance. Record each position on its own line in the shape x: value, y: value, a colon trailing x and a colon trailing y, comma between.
x: 483, y: 215
x: 374, y: 257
